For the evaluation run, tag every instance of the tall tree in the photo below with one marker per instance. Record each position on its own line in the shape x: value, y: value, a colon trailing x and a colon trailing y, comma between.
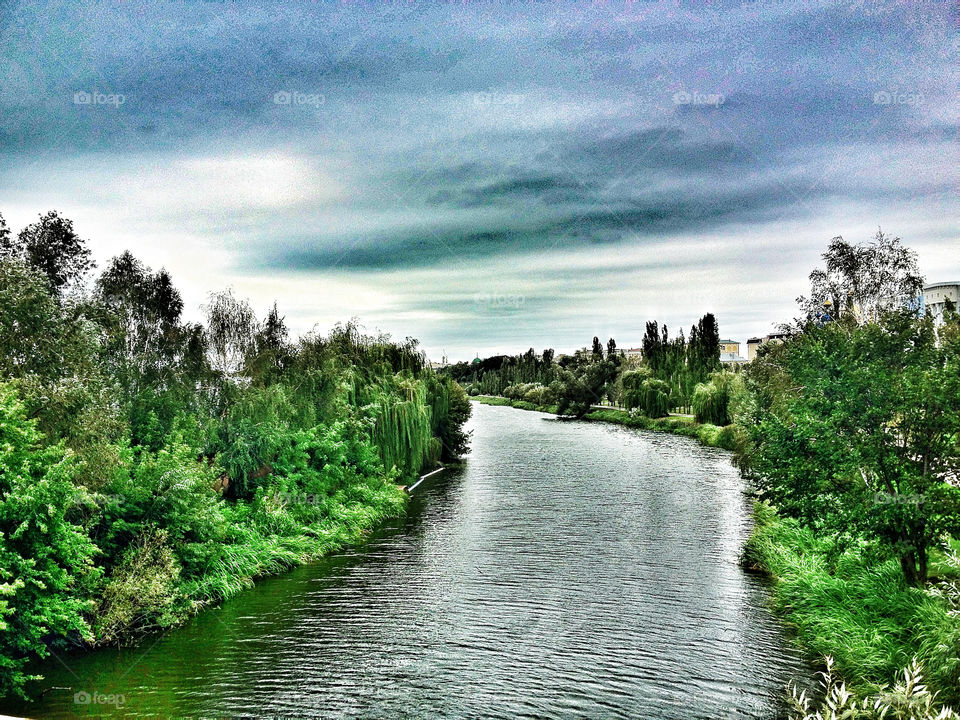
x: 272, y: 353
x: 653, y: 345
x: 52, y: 247
x: 142, y: 317
x: 862, y: 281
x: 231, y: 328
x: 704, y: 352
x: 597, y: 350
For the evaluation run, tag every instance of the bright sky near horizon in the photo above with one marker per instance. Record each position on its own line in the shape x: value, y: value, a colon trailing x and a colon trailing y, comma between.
x: 488, y: 177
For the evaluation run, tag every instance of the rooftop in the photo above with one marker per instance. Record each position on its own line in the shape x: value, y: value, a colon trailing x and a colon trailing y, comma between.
x: 940, y: 284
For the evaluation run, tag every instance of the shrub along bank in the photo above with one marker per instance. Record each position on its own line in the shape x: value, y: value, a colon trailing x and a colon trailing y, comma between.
x: 150, y: 467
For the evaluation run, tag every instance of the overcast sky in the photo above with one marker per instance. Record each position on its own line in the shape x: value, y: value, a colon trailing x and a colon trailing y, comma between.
x: 488, y: 177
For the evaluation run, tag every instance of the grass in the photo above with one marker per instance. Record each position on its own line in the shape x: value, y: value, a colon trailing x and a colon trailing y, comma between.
x: 264, y: 539
x: 855, y: 607
x: 706, y: 434
x: 519, y: 404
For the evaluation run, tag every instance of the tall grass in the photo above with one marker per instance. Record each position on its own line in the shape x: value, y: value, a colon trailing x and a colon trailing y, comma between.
x: 848, y: 604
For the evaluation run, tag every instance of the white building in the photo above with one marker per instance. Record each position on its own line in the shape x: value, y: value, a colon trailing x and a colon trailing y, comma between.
x: 754, y: 343
x: 730, y: 353
x: 935, y: 298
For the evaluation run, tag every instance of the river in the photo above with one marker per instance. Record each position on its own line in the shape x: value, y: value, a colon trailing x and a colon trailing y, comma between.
x: 570, y: 569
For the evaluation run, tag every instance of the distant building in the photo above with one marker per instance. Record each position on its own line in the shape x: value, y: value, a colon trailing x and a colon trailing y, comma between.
x: 754, y: 343
x: 633, y: 352
x: 444, y: 362
x: 935, y: 298
x: 730, y: 353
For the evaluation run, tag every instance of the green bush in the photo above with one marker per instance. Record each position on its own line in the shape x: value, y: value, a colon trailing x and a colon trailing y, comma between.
x: 654, y: 399
x: 711, y: 400
x: 46, y: 569
x: 142, y: 592
x: 908, y: 699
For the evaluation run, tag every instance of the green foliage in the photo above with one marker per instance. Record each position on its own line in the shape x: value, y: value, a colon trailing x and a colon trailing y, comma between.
x: 854, y: 429
x: 586, y: 383
x: 908, y: 699
x: 46, y: 569
x: 402, y: 428
x: 141, y: 592
x: 533, y: 393
x: 32, y: 326
x: 861, y: 283
x: 711, y: 401
x: 167, y: 464
x: 51, y: 247
x: 450, y: 419
x: 853, y: 605
x: 653, y: 398
x: 631, y: 386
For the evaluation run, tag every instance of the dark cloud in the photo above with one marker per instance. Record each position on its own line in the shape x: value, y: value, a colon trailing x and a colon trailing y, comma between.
x: 438, y: 138
x: 623, y: 221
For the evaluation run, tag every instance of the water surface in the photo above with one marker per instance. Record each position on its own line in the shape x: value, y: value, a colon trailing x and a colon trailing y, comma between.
x: 570, y: 569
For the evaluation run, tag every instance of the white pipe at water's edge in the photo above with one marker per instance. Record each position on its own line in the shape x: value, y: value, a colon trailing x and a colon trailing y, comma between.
x: 424, y: 477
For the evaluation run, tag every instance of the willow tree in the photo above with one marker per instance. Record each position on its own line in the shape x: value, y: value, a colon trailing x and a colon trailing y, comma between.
x: 402, y: 429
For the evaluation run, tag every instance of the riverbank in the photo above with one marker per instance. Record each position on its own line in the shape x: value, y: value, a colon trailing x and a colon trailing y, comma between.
x: 706, y: 434
x: 841, y: 602
x: 849, y: 604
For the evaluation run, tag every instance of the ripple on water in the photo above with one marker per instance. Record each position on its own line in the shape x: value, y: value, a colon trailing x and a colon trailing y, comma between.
x: 570, y: 570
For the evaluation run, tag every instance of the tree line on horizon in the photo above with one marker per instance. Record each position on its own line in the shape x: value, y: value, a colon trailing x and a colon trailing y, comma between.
x: 666, y: 378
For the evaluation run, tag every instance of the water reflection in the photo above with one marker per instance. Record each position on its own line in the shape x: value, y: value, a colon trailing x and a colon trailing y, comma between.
x: 569, y: 570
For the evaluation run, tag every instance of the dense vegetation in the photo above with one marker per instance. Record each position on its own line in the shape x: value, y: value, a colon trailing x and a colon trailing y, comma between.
x: 151, y: 466
x: 671, y: 374
x: 849, y: 432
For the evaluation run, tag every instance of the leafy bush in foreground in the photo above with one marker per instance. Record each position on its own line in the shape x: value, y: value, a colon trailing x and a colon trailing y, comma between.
x: 46, y: 561
x: 908, y: 699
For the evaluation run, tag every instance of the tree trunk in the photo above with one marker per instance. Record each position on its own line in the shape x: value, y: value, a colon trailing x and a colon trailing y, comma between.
x: 908, y: 562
